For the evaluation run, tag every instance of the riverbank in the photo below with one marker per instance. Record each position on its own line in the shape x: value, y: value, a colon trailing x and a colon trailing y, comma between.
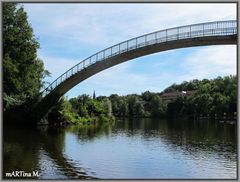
x: 79, y: 121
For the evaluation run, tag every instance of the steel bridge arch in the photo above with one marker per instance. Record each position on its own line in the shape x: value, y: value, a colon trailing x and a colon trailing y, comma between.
x: 202, y: 34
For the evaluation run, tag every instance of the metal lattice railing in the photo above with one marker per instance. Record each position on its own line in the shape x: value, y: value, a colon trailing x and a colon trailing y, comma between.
x: 218, y: 28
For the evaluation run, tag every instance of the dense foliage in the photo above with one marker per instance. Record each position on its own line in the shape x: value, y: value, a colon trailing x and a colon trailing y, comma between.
x: 146, y: 105
x: 82, y: 110
x: 23, y: 71
x: 217, y: 97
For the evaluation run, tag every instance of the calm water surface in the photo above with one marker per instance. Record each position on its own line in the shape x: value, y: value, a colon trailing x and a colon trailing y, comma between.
x: 128, y: 149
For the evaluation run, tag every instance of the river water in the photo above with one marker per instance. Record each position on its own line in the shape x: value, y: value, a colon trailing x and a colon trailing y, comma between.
x: 127, y: 149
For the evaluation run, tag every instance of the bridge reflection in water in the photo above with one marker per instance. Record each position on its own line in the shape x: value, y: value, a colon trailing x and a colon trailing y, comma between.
x: 211, y: 33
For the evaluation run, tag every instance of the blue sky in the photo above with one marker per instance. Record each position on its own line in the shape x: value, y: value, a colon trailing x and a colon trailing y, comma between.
x: 69, y: 33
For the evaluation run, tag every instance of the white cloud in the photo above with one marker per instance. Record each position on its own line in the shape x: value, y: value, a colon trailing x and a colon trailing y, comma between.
x: 122, y: 80
x: 106, y: 24
x: 210, y: 62
x: 83, y: 29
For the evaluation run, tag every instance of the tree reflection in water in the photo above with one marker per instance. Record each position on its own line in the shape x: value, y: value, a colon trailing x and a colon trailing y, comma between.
x: 203, y: 141
x: 22, y: 148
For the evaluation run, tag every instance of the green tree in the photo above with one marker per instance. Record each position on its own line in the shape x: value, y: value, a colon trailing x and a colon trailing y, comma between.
x: 139, y: 109
x: 23, y: 71
x: 147, y: 96
x: 220, y: 103
x: 203, y: 103
x: 132, y: 101
x: 115, y: 105
x: 123, y: 107
x: 158, y: 108
x: 107, y: 106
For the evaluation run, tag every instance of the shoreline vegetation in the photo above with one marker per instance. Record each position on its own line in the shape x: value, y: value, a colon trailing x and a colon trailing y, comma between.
x: 24, y: 73
x: 205, y: 99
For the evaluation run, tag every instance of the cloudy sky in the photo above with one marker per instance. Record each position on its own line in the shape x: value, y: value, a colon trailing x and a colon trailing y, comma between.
x: 69, y: 33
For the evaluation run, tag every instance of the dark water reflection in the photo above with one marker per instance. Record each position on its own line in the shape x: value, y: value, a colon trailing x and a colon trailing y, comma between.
x: 129, y: 149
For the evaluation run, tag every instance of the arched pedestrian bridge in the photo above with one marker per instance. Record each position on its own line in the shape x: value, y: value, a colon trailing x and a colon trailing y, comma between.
x: 202, y: 34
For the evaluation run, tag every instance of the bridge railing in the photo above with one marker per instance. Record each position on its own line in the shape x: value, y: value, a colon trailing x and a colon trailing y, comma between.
x: 219, y: 28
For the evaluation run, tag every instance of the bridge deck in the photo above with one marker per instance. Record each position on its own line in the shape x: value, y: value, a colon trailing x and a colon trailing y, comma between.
x: 211, y: 33
x: 219, y: 28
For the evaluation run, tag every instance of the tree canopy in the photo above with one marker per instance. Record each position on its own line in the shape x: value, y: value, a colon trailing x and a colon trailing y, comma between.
x: 23, y: 71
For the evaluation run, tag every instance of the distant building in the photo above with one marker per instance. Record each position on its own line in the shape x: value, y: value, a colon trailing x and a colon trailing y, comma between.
x: 94, y: 95
x: 171, y: 96
x: 190, y: 92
